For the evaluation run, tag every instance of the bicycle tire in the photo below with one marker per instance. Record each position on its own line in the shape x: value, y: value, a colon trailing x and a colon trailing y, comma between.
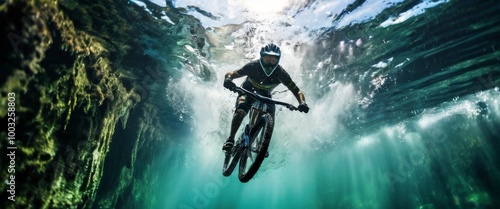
x: 231, y: 160
x: 266, y: 124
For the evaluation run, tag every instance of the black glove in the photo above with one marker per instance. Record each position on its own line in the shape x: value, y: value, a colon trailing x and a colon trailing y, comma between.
x: 229, y: 84
x: 303, y: 108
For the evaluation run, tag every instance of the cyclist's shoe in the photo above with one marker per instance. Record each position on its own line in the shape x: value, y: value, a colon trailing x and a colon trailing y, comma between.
x: 228, y: 145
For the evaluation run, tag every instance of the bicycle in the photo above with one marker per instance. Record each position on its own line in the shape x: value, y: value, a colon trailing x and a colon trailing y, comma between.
x: 251, y: 147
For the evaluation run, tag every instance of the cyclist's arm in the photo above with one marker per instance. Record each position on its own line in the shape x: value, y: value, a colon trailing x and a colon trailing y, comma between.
x: 288, y: 82
x: 232, y: 75
x: 297, y: 92
x: 244, y: 71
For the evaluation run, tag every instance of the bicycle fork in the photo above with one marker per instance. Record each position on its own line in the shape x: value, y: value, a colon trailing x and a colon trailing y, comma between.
x: 246, y: 138
x: 247, y: 144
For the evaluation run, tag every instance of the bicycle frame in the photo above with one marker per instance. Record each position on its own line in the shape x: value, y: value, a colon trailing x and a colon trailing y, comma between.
x: 258, y: 108
x: 256, y: 111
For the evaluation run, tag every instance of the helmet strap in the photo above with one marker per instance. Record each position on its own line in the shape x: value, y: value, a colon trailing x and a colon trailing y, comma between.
x: 266, y: 71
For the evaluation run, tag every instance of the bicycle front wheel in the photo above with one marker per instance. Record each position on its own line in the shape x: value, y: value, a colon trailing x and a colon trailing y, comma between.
x: 231, y: 159
x: 253, y: 155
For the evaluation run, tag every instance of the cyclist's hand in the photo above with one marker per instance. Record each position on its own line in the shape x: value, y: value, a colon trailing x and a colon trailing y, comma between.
x: 292, y: 108
x: 303, y: 108
x: 229, y: 84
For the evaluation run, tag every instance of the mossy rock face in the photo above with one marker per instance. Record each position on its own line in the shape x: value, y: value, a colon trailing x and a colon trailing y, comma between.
x: 73, y: 69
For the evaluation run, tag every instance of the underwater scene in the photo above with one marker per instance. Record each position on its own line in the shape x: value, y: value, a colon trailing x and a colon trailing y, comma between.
x: 122, y: 104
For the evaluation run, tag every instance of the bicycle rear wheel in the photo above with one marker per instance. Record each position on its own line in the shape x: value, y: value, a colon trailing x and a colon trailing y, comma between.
x: 253, y: 155
x: 231, y: 159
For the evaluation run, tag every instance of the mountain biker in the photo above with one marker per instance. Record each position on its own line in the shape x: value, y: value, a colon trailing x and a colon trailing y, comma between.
x: 263, y: 75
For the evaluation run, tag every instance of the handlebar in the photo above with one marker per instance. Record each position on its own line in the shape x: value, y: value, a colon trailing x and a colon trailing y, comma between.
x: 263, y: 98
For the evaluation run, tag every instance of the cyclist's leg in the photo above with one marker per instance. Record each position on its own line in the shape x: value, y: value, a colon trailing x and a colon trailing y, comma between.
x: 238, y: 116
x: 242, y: 107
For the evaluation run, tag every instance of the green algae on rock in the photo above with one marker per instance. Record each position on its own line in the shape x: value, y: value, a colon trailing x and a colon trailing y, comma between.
x: 78, y: 71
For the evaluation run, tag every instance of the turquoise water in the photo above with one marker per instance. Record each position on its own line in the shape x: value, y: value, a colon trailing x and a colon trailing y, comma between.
x: 445, y: 158
x: 405, y: 109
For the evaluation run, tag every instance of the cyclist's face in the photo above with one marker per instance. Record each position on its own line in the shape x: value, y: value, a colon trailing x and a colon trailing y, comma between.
x: 273, y: 60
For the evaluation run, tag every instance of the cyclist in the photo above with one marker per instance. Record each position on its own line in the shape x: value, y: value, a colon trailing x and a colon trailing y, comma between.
x: 263, y: 75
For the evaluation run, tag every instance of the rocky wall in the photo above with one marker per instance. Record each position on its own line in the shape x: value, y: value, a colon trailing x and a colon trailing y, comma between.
x: 79, y: 71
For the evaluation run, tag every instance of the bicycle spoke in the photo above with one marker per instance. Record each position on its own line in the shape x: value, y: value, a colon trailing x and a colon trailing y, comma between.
x: 251, y: 156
